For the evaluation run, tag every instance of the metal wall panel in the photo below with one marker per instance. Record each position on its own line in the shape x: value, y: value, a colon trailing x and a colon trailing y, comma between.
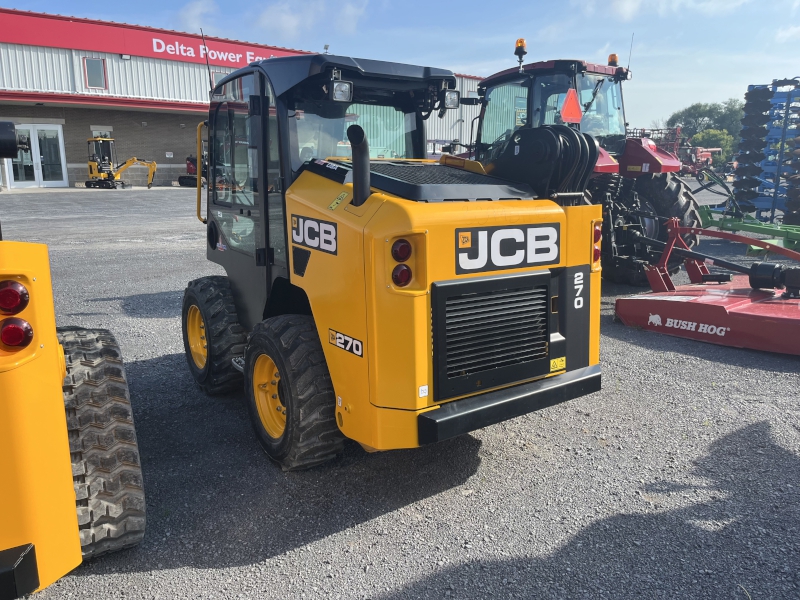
x: 455, y: 125
x: 33, y: 68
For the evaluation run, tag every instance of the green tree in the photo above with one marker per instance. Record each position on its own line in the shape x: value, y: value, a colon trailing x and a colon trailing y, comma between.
x: 701, y: 116
x: 715, y: 138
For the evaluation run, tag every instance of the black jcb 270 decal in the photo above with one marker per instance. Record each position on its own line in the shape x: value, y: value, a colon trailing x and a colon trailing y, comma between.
x: 314, y: 233
x: 345, y: 342
x: 480, y: 249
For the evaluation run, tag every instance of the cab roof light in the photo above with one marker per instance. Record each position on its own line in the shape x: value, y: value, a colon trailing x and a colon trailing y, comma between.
x: 613, y: 60
x: 520, y: 50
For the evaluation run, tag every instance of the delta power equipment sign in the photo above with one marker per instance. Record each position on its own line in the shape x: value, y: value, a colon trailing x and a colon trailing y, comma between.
x: 19, y: 27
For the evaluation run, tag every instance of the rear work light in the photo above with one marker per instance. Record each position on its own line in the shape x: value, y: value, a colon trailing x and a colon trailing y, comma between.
x: 14, y: 297
x: 16, y: 333
x: 401, y: 250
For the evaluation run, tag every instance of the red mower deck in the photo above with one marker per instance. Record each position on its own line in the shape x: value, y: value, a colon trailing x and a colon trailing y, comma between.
x: 729, y: 313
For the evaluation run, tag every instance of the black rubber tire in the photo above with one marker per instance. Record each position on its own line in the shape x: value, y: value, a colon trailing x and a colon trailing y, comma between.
x: 226, y: 337
x: 311, y: 436
x: 671, y: 197
x: 106, y: 470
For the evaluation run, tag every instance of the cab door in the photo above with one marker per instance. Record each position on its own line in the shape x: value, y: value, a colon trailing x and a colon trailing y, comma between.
x: 236, y: 203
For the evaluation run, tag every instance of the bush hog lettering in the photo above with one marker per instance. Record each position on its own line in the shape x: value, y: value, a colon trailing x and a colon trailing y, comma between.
x: 693, y: 326
x: 500, y: 248
x: 319, y: 235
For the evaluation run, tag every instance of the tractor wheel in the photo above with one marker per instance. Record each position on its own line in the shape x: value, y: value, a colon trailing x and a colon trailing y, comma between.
x: 212, y: 336
x: 670, y: 197
x: 106, y: 469
x: 289, y: 393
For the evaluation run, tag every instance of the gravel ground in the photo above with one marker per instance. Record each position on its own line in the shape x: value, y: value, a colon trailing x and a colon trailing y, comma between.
x: 679, y: 479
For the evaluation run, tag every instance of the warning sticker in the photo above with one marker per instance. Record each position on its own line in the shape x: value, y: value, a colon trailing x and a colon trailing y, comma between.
x: 558, y: 364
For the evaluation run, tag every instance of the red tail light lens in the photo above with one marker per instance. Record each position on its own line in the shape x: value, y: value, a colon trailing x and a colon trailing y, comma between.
x: 598, y: 233
x: 16, y: 333
x: 401, y: 250
x: 14, y: 297
x: 596, y: 255
x: 401, y: 275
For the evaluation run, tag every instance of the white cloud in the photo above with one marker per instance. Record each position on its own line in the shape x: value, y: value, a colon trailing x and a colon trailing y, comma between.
x: 786, y: 34
x: 348, y: 15
x: 197, y: 14
x: 628, y: 9
x: 287, y: 21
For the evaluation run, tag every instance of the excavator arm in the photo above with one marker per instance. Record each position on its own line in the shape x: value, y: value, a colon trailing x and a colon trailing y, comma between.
x: 150, y: 164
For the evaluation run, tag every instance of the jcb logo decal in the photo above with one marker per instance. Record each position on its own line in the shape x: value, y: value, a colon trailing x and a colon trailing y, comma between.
x: 500, y: 248
x: 314, y: 233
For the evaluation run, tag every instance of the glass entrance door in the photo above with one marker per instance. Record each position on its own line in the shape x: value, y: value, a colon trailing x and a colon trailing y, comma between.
x: 43, y: 163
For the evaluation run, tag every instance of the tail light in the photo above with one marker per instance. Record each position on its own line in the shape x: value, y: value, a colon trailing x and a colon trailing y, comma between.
x: 401, y: 275
x: 14, y: 297
x: 16, y: 333
x: 401, y: 250
x: 597, y: 240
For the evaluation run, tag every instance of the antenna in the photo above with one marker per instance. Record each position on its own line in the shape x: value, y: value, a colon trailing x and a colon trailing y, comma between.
x: 630, y: 52
x: 210, y: 81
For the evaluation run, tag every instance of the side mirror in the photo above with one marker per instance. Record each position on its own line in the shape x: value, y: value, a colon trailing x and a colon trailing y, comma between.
x: 9, y: 145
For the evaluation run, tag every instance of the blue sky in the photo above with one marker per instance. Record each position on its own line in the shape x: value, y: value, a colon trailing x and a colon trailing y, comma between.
x: 684, y: 51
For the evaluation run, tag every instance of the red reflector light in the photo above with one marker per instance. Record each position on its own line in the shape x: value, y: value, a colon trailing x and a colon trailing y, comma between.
x: 401, y: 250
x: 598, y: 233
x: 13, y: 297
x: 401, y: 275
x: 596, y: 255
x: 16, y: 333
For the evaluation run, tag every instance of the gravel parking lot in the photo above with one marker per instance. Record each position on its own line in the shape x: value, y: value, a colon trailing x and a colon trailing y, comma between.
x: 679, y: 479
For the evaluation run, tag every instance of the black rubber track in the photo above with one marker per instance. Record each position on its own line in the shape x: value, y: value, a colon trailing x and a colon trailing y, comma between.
x: 311, y: 436
x: 106, y: 470
x: 226, y: 338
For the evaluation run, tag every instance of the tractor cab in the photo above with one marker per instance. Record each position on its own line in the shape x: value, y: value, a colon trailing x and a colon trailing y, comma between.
x: 554, y: 92
x: 102, y: 153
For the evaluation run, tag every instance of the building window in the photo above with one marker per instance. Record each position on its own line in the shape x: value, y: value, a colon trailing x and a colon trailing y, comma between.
x: 217, y: 76
x: 95, y: 71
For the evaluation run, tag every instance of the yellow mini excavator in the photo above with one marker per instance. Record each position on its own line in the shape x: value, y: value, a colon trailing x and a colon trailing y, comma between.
x: 374, y: 294
x: 70, y: 478
x: 103, y: 173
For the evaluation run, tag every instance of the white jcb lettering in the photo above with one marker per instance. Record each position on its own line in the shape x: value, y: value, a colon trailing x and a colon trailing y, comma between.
x: 542, y: 244
x: 297, y: 233
x: 308, y: 227
x: 467, y: 263
x: 500, y: 259
x: 327, y: 237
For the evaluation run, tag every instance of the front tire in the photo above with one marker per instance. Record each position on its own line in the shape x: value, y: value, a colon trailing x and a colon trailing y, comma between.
x: 289, y: 393
x: 212, y: 335
x: 106, y: 470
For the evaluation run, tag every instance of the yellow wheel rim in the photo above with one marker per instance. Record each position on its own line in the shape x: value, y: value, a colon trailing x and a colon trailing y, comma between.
x: 196, y: 333
x: 271, y: 410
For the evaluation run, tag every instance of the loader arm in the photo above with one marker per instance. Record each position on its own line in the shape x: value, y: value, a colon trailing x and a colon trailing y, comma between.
x: 150, y: 164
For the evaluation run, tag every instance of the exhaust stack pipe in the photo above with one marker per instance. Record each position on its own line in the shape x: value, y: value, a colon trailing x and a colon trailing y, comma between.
x: 360, y: 149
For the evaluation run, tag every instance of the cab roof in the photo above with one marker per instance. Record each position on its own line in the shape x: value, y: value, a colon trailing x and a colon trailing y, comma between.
x: 562, y: 64
x: 286, y: 72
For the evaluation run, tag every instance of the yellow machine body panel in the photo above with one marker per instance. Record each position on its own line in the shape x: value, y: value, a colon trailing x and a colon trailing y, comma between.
x: 37, y: 501
x: 388, y: 382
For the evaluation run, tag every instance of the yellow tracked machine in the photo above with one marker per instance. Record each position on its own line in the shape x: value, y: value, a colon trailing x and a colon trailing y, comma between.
x: 69, y: 463
x: 374, y: 294
x: 102, y: 170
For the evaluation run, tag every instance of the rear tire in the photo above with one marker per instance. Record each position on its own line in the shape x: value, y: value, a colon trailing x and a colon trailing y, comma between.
x: 671, y: 197
x: 211, y: 342
x: 106, y: 469
x: 307, y: 435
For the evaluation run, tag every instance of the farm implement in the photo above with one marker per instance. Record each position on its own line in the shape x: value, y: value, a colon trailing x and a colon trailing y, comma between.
x: 756, y: 307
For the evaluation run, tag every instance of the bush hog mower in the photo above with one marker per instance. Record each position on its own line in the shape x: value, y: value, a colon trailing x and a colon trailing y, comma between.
x: 393, y: 301
x: 634, y: 181
x: 759, y: 308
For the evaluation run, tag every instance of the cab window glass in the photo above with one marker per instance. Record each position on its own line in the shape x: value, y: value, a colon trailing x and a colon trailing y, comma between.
x: 506, y: 110
x: 277, y: 229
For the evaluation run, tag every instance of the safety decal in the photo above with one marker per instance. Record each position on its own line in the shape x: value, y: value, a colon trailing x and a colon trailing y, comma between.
x: 333, y: 205
x: 498, y: 248
x: 314, y: 233
x: 345, y: 342
x: 558, y: 364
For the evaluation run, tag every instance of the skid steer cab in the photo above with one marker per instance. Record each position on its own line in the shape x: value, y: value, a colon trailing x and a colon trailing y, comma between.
x: 373, y: 294
x: 69, y: 462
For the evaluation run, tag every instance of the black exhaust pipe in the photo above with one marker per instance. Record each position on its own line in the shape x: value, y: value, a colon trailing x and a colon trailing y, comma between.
x: 360, y: 149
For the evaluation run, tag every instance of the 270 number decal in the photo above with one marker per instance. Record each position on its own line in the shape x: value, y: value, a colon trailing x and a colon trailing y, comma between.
x: 578, y: 285
x: 345, y: 342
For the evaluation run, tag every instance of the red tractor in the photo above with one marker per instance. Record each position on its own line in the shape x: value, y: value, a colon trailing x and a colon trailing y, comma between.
x: 636, y: 181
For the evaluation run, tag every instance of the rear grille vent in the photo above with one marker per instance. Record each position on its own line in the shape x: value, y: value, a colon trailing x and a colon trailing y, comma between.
x: 495, y: 329
x: 489, y: 332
